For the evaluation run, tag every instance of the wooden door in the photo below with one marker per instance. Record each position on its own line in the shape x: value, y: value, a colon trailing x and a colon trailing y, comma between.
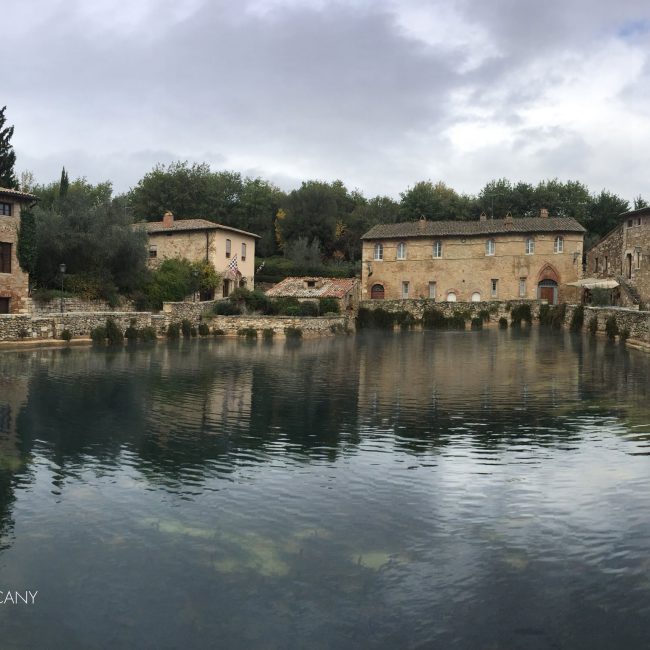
x: 4, y: 305
x: 547, y: 293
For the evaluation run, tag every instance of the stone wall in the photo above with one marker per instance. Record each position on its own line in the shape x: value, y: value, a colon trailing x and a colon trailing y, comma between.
x: 193, y: 311
x: 416, y: 308
x: 310, y: 326
x: 14, y: 286
x: 75, y: 305
x: 637, y: 322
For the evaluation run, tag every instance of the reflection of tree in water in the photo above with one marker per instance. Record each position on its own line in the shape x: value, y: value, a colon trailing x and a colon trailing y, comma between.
x: 183, y: 410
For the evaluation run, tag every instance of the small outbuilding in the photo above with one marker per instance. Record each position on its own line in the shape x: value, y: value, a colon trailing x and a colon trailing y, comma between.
x: 344, y: 290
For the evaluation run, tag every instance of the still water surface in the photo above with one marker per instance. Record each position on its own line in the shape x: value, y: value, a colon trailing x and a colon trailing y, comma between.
x: 416, y: 490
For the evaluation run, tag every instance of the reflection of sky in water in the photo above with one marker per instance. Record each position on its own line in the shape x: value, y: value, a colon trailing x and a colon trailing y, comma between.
x: 463, y: 490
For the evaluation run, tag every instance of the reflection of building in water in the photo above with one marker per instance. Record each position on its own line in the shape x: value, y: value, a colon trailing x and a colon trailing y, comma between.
x: 428, y: 380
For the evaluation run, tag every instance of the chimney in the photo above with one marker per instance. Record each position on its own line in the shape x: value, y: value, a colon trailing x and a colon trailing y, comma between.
x: 543, y: 213
x: 508, y: 219
x: 483, y: 217
x: 422, y: 224
x: 168, y: 219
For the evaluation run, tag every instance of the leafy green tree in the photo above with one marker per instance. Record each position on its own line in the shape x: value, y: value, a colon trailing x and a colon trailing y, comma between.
x: 436, y: 202
x: 259, y: 202
x: 604, y: 214
x: 7, y: 154
x: 84, y: 230
x: 313, y: 211
x: 305, y: 255
x: 640, y: 202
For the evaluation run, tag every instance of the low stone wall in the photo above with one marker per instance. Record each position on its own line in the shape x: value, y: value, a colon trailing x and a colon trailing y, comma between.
x: 416, y: 307
x: 637, y: 322
x: 37, y: 308
x: 175, y: 312
x: 310, y: 326
x: 17, y: 327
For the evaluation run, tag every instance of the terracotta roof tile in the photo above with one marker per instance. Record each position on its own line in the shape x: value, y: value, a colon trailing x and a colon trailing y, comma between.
x: 326, y: 287
x: 180, y: 225
x: 5, y: 191
x: 470, y: 228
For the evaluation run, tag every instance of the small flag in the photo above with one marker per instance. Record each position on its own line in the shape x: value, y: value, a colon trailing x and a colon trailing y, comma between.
x: 232, y: 265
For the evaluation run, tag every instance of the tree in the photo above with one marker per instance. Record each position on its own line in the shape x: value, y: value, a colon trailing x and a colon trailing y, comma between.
x: 7, y: 154
x: 26, y: 249
x: 436, y: 202
x: 64, y: 184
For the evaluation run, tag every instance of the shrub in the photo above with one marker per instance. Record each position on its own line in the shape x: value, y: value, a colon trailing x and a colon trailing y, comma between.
x: 544, y: 313
x: 98, y: 334
x: 66, y: 335
x: 193, y: 331
x: 285, y: 306
x: 226, y: 308
x: 577, y: 319
x: 503, y: 323
x: 147, y: 334
x: 293, y: 332
x: 204, y: 330
x: 484, y: 315
x: 456, y: 322
x: 268, y: 333
x: 329, y: 306
x: 433, y: 319
x: 173, y: 330
x: 593, y: 326
x: 114, y: 333
x: 624, y: 334
x: 218, y: 332
x: 611, y: 327
x: 248, y: 332
x: 308, y: 308
x: 255, y: 301
x: 186, y: 328
x: 520, y: 313
x: 131, y: 333
x: 23, y: 333
x: 477, y: 323
x: 405, y: 320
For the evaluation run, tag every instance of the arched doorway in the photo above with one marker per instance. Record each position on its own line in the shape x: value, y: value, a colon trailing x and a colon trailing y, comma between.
x: 451, y: 296
x: 547, y: 285
x: 547, y: 290
x: 377, y: 292
x: 476, y: 297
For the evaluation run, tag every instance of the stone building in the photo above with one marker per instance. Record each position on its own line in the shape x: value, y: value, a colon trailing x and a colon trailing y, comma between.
x: 14, y: 282
x: 231, y: 251
x: 344, y: 290
x: 473, y: 261
x: 623, y: 255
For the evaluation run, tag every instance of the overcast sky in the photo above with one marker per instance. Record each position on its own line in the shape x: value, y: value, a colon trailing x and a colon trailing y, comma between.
x: 378, y: 93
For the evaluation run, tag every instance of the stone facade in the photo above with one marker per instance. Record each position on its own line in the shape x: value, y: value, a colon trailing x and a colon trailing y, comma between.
x: 14, y: 282
x: 624, y: 255
x: 501, y: 259
x: 200, y: 240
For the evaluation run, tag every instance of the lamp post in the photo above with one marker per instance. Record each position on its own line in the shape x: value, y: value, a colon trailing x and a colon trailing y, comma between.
x: 62, y: 270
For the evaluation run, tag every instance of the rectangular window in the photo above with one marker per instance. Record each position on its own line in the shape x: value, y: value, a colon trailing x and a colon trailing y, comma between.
x: 153, y: 252
x: 432, y: 290
x: 405, y: 290
x: 5, y: 258
x: 629, y: 223
x: 243, y: 252
x: 5, y: 209
x: 522, y: 287
x: 638, y: 260
x: 605, y: 267
x: 638, y: 221
x: 596, y: 266
x: 228, y: 245
x: 530, y: 246
x: 495, y: 287
x: 437, y: 249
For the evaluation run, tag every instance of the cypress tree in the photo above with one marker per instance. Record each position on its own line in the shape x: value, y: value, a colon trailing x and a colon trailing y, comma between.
x: 7, y: 154
x: 64, y: 184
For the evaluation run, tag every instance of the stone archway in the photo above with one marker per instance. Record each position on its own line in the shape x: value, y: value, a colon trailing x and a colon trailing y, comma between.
x: 548, y: 282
